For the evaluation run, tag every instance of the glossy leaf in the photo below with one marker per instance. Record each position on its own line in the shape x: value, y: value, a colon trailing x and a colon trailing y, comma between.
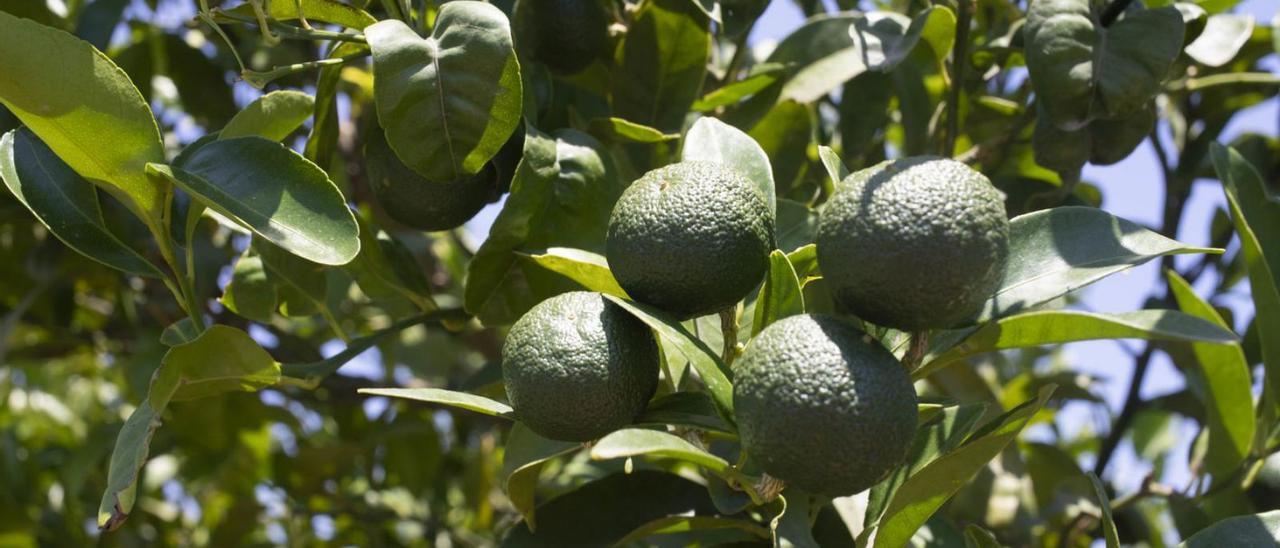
x: 461, y: 400
x: 1108, y: 523
x: 683, y: 409
x: 1255, y: 530
x: 250, y: 294
x: 180, y: 332
x: 926, y: 490
x: 780, y: 296
x: 635, y: 442
x: 662, y: 64
x: 590, y: 270
x: 87, y: 111
x: 522, y: 458
x: 625, y: 131
x: 449, y: 101
x: 273, y: 116
x: 1223, y: 36
x: 836, y: 169
x: 1220, y: 377
x: 274, y: 192
x: 325, y: 11
x: 130, y: 453
x: 64, y: 202
x: 1056, y: 251
x: 805, y: 262
x: 1038, y: 328
x: 1256, y: 215
x: 710, y: 140
x: 759, y: 79
x: 714, y: 373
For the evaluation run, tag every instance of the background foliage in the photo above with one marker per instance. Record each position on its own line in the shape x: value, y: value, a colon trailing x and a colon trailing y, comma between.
x: 126, y: 234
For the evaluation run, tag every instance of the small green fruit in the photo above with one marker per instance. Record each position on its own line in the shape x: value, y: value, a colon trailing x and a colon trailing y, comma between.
x: 692, y: 238
x: 822, y: 405
x: 413, y: 201
x: 916, y: 243
x: 577, y: 367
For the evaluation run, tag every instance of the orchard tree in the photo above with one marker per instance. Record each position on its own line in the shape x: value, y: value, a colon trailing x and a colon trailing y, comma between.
x: 611, y: 272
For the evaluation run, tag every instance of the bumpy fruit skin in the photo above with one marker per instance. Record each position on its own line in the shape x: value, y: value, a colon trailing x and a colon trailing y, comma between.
x: 691, y: 238
x: 915, y: 243
x: 577, y: 367
x: 821, y: 405
x: 568, y: 34
x: 411, y: 200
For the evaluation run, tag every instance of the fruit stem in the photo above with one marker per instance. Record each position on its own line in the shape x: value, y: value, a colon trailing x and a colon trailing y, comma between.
x: 916, y: 350
x: 729, y: 329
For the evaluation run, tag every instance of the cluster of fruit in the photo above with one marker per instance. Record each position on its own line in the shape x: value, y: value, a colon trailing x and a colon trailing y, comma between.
x: 913, y: 244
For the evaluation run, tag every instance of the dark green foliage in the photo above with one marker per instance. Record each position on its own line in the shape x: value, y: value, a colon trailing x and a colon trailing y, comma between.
x: 577, y: 367
x: 568, y: 35
x: 691, y: 238
x: 821, y: 405
x: 411, y: 200
x: 914, y: 243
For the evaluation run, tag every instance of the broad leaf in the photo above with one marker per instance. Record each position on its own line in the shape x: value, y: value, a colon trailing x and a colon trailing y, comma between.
x: 796, y: 227
x: 1256, y: 215
x: 762, y: 76
x: 1056, y: 251
x: 130, y: 453
x: 1255, y: 530
x: 792, y: 528
x: 1223, y: 36
x: 250, y: 294
x: 65, y: 203
x: 274, y: 192
x: 634, y: 442
x: 587, y: 269
x: 683, y: 409
x: 1044, y: 327
x: 714, y: 373
x: 710, y: 140
x: 273, y: 116
x: 697, y: 530
x: 625, y: 131
x: 522, y: 458
x: 617, y: 505
x: 926, y: 490
x: 180, y: 332
x: 84, y: 108
x: 1219, y: 377
x: 461, y: 400
x: 447, y: 102
x: 325, y: 11
x: 662, y: 64
x: 780, y: 295
x: 387, y: 271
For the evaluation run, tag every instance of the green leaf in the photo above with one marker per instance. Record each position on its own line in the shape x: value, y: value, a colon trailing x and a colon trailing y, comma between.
x: 617, y: 505
x: 977, y: 537
x: 274, y: 192
x: 325, y: 11
x: 462, y: 400
x: 634, y: 442
x: 624, y: 131
x: 662, y: 64
x: 84, y: 108
x: 683, y: 409
x: 797, y: 225
x: 1256, y: 216
x: 387, y: 271
x: 312, y: 373
x: 674, y: 525
x: 926, y: 490
x: 836, y: 170
x: 714, y: 373
x: 1256, y: 530
x: 587, y: 269
x: 180, y: 332
x: 1223, y: 36
x: 831, y: 49
x: 710, y: 140
x: 273, y: 116
x: 1053, y: 252
x: 130, y: 453
x: 762, y: 76
x: 1108, y: 524
x: 1044, y: 327
x: 780, y: 295
x: 561, y: 196
x: 522, y: 458
x: 65, y: 203
x: 805, y: 262
x: 1219, y: 377
x: 447, y: 102
x: 250, y: 294
x: 323, y: 139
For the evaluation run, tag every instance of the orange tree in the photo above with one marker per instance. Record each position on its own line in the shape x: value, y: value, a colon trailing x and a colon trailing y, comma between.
x: 806, y: 296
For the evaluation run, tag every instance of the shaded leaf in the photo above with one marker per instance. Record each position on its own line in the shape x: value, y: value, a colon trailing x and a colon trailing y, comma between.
x: 780, y: 296
x: 684, y: 409
x: 792, y: 528
x: 65, y: 203
x: 634, y: 442
x: 447, y: 102
x: 673, y: 525
x: 522, y: 458
x: 662, y: 64
x: 1108, y: 524
x: 250, y: 294
x: 462, y: 400
x: 180, y: 332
